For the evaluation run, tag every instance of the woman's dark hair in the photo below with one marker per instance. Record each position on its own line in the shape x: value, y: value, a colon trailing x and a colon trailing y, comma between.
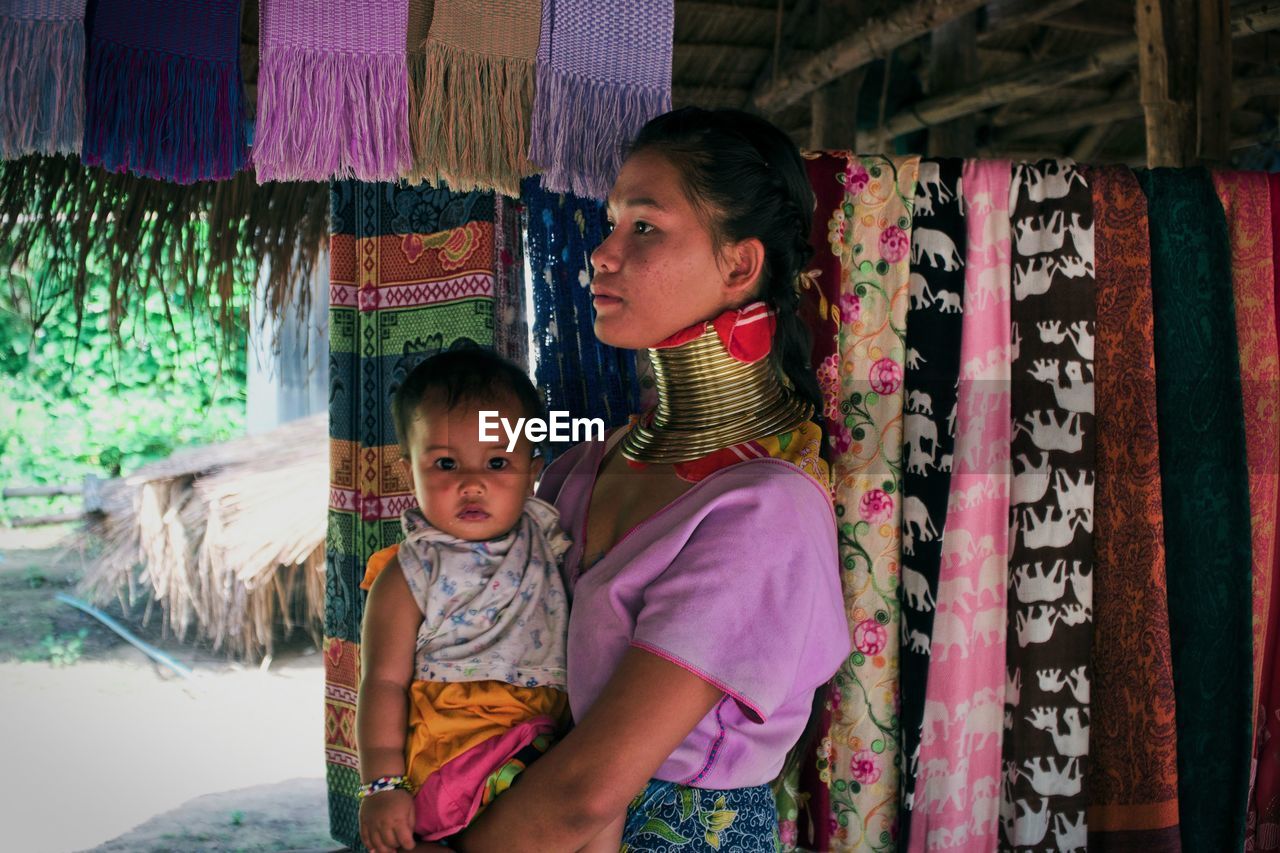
x: 470, y: 375
x: 746, y: 178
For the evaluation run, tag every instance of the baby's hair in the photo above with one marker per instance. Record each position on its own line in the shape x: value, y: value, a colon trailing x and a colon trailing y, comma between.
x: 458, y: 377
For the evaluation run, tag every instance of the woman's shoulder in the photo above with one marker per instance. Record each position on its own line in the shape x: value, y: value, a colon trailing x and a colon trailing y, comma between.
x: 768, y: 482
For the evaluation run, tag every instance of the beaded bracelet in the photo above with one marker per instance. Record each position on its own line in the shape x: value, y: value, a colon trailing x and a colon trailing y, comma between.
x: 384, y: 783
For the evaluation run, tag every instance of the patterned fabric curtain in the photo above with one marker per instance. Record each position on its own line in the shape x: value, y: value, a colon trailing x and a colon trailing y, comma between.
x: 575, y: 372
x: 870, y: 234
x: 412, y: 274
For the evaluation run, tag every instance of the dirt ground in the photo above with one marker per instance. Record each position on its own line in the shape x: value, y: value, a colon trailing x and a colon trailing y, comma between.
x: 103, y: 749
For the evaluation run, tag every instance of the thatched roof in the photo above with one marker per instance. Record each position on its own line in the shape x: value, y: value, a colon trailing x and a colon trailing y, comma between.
x: 1009, y: 78
x: 227, y: 540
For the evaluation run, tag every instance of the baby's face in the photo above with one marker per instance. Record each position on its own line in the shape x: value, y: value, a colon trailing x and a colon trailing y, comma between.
x: 471, y: 489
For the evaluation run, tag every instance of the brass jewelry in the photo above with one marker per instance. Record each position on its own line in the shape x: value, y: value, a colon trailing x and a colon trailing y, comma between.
x: 708, y: 400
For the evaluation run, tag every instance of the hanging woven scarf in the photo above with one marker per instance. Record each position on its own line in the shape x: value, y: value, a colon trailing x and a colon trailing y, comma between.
x: 333, y: 91
x: 957, y: 770
x: 41, y: 77
x: 1264, y: 801
x: 937, y: 293
x: 870, y: 233
x: 604, y: 69
x: 575, y: 372
x: 1248, y: 212
x: 1205, y: 492
x: 1051, y: 507
x: 474, y: 94
x: 1132, y: 777
x: 410, y: 277
x: 163, y: 93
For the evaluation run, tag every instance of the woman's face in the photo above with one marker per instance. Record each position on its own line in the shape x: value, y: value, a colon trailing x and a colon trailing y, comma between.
x: 658, y: 272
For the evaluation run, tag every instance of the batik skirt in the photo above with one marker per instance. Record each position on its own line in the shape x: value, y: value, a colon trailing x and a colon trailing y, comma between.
x: 667, y: 817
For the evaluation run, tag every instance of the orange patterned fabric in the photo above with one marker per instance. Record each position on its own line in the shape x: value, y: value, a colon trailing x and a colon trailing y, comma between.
x: 1247, y: 206
x: 1133, y: 767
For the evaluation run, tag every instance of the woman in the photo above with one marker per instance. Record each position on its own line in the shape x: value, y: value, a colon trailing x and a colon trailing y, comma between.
x: 706, y: 603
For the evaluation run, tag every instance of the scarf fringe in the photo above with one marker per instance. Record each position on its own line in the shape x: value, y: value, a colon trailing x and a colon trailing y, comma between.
x: 472, y: 118
x: 160, y: 115
x: 42, y: 90
x: 325, y: 115
x: 582, y: 126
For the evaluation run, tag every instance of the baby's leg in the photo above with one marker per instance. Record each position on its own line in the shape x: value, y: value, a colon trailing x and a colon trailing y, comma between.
x: 609, y: 839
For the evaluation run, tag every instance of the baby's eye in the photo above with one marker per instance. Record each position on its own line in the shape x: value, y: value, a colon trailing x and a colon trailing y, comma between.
x: 497, y: 463
x: 445, y: 463
x: 643, y: 227
x: 609, y: 225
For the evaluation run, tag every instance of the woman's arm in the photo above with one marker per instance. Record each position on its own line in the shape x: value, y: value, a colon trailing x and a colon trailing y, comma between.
x: 388, y: 641
x: 566, y: 797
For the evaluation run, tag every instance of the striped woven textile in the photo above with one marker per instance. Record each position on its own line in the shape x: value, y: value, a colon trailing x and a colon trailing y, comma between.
x: 164, y: 96
x: 411, y: 275
x: 333, y: 91
x: 41, y: 77
x: 604, y: 69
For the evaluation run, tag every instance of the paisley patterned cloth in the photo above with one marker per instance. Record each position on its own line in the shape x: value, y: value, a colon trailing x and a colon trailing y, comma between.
x: 1248, y: 211
x: 958, y: 773
x: 667, y: 818
x: 1132, y: 777
x: 1264, y: 802
x: 871, y: 235
x: 936, y: 288
x: 1051, y: 509
x: 410, y: 275
x: 1204, y: 484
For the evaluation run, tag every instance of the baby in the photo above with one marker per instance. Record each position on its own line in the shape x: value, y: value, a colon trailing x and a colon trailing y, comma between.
x: 464, y: 630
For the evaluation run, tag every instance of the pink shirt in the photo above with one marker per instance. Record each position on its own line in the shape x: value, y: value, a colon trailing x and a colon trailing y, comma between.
x: 737, y: 581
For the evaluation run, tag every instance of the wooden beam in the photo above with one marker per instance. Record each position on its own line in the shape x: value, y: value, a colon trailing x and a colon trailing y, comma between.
x: 1088, y: 22
x: 953, y: 63
x: 871, y: 41
x: 759, y: 15
x: 1002, y: 15
x: 1251, y: 17
x: 1023, y: 83
x: 709, y: 96
x: 1091, y: 142
x: 1122, y: 110
x: 833, y: 113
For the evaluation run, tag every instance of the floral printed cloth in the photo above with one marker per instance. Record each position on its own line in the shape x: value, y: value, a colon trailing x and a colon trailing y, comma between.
x: 870, y: 234
x: 666, y: 817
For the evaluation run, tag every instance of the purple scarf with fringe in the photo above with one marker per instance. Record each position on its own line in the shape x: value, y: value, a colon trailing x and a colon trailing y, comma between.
x: 163, y: 93
x: 333, y: 91
x: 604, y: 69
x: 41, y: 77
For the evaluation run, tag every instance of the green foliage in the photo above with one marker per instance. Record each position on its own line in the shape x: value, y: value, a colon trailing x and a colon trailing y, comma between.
x: 64, y: 649
x: 77, y: 401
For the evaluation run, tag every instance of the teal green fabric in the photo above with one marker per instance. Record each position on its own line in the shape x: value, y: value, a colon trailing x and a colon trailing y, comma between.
x: 1206, y: 503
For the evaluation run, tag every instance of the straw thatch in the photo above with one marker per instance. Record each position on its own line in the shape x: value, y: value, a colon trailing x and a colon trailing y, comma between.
x: 209, y: 240
x: 227, y: 540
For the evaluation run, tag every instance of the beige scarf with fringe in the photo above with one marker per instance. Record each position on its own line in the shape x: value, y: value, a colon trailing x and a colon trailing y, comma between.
x: 471, y: 91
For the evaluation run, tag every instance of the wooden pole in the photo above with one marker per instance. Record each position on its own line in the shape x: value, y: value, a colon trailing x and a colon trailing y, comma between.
x: 1167, y: 74
x: 871, y: 41
x: 1213, y: 90
x: 953, y: 62
x: 833, y: 112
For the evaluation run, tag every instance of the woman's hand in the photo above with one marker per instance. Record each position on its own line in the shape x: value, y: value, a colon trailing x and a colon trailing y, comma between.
x: 386, y: 821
